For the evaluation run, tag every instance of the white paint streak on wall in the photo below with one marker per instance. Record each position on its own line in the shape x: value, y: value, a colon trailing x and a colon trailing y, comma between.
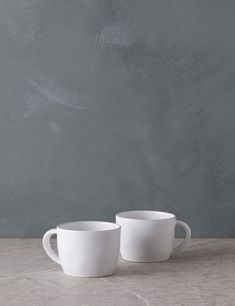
x: 54, y: 127
x: 44, y: 92
x: 160, y: 166
x: 17, y: 17
x: 116, y: 35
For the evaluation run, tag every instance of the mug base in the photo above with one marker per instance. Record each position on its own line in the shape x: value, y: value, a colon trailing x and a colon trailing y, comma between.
x: 137, y: 260
x: 89, y: 275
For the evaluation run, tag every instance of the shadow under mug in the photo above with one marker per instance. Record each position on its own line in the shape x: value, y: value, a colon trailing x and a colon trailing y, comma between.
x: 148, y: 236
x: 85, y: 248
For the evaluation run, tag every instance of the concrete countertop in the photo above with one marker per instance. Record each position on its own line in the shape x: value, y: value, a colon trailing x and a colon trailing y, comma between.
x: 202, y: 274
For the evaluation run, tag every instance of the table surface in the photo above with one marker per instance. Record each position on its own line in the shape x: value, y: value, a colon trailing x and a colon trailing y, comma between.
x: 202, y: 274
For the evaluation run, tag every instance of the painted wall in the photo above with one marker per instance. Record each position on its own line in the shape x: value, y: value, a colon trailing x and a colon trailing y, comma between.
x: 116, y: 105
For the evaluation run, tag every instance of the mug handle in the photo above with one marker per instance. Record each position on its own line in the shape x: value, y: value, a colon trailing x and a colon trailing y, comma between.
x: 187, y: 237
x: 47, y: 245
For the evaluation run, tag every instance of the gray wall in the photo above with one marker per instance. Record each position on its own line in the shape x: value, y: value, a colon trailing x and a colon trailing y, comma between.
x: 116, y: 105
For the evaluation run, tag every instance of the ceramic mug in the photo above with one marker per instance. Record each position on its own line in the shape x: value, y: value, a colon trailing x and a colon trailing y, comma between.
x: 148, y: 236
x: 85, y: 248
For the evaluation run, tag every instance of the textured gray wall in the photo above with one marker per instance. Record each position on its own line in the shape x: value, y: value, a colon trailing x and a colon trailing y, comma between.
x: 116, y: 105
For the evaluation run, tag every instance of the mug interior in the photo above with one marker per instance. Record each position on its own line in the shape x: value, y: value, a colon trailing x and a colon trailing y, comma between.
x: 145, y: 215
x: 88, y: 226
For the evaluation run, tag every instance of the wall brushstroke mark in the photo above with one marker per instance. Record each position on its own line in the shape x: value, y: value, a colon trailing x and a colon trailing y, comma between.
x: 54, y: 127
x: 116, y: 35
x: 18, y: 19
x: 45, y: 92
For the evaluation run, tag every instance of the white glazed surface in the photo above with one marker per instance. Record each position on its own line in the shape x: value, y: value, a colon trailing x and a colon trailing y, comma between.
x: 148, y: 236
x: 86, y: 248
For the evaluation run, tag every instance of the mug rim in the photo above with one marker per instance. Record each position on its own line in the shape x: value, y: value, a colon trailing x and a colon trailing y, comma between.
x: 127, y: 215
x: 67, y: 226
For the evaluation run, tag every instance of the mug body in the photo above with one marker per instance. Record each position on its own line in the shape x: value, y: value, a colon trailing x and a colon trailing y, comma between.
x: 146, y: 236
x: 88, y: 248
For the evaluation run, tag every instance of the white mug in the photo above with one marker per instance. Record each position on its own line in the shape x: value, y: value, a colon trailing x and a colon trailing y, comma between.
x: 148, y: 236
x: 85, y: 248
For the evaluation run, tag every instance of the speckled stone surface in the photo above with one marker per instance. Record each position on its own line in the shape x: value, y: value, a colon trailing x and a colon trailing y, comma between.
x: 202, y: 274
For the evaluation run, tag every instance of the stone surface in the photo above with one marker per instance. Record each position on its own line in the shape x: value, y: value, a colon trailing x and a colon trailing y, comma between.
x: 202, y: 274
